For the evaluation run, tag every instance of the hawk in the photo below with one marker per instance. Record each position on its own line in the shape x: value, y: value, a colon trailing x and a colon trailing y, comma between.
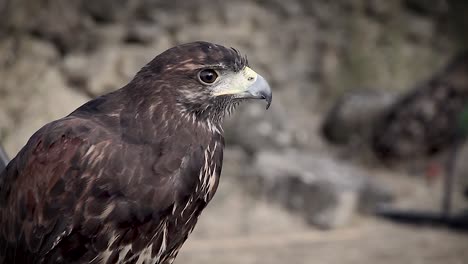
x: 124, y: 178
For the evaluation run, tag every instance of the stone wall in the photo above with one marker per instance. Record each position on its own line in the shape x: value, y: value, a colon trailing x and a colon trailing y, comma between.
x: 54, y: 56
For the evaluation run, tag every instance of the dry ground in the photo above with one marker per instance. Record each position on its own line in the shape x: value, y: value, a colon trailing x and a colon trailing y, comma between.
x: 239, y: 229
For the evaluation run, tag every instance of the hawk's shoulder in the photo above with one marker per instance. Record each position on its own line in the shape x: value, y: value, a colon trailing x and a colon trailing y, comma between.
x: 40, y: 190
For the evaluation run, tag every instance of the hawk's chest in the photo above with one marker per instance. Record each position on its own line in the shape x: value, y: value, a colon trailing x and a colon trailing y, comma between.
x: 208, y: 176
x: 185, y: 215
x: 174, y: 228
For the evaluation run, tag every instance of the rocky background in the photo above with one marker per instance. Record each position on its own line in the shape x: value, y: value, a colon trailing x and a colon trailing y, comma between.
x: 282, y: 181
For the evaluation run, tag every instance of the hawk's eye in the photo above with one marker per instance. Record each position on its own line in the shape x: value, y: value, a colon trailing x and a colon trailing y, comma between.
x: 208, y: 76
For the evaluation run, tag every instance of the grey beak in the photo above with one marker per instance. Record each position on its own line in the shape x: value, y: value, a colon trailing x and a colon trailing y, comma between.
x: 260, y: 90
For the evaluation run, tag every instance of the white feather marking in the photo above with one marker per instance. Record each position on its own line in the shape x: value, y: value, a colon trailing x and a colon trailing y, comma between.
x: 186, y: 205
x: 214, y: 149
x: 163, y: 247
x: 104, y: 256
x: 212, y: 182
x: 145, y: 255
x: 194, y: 118
x: 152, y: 109
x: 123, y: 252
x: 107, y: 211
x: 90, y: 150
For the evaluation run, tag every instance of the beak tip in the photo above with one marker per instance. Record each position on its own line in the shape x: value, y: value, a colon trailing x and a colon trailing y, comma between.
x: 260, y: 90
x: 268, y: 103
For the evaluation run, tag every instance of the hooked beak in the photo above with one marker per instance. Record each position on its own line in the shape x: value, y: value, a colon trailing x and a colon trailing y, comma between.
x: 258, y: 90
x: 247, y: 84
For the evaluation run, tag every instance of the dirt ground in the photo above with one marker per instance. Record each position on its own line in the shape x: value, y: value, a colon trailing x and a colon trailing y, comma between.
x: 238, y: 229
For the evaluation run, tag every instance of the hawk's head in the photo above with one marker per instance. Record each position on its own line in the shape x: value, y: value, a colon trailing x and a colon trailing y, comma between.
x: 205, y: 80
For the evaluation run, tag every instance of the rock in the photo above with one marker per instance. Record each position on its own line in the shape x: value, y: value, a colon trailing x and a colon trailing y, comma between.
x: 62, y: 24
x: 109, y: 34
x: 110, y: 10
x: 15, y: 49
x: 374, y: 194
x: 352, y: 117
x: 425, y: 8
x: 380, y: 8
x: 421, y: 29
x: 253, y: 128
x: 33, y: 93
x: 310, y: 51
x: 53, y: 100
x: 95, y: 74
x: 76, y: 70
x: 110, y: 67
x: 143, y: 33
x: 325, y: 192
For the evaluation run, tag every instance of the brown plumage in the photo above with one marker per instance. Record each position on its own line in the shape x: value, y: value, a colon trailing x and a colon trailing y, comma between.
x: 124, y: 178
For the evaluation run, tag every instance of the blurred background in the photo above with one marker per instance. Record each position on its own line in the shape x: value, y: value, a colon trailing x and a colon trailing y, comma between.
x: 361, y: 158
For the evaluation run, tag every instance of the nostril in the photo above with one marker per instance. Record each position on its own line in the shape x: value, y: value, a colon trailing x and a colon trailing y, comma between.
x: 250, y: 78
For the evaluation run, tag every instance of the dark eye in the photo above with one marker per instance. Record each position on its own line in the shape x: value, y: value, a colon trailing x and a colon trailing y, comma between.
x: 208, y: 76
